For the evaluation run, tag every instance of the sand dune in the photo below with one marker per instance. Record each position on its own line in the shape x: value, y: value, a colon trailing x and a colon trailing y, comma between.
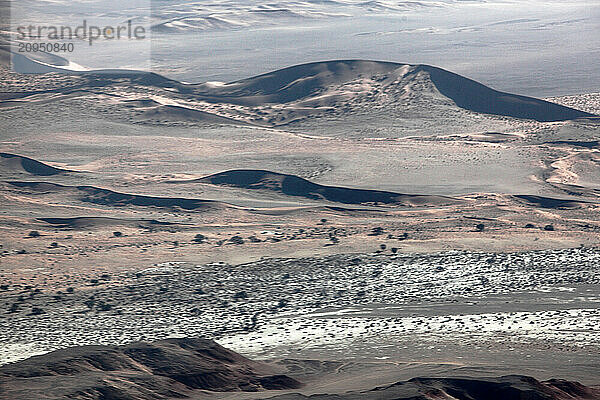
x: 15, y: 163
x: 549, y: 202
x: 91, y: 194
x: 307, y: 80
x: 292, y: 185
x: 164, y: 369
x: 471, y: 95
x: 316, y: 90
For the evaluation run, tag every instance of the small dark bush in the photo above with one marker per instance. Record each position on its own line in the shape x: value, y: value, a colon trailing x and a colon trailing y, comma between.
x: 34, y: 234
x: 376, y: 231
x: 104, y: 306
x: 529, y: 226
x: 37, y: 311
x: 479, y: 227
x: 70, y: 290
x: 199, y: 238
x: 282, y: 303
x: 240, y: 295
x: 117, y: 234
x: 549, y: 228
x: 236, y: 240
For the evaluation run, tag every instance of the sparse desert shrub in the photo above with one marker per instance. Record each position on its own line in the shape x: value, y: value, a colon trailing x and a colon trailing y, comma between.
x: 117, y: 234
x: 70, y: 290
x: 240, y: 295
x: 94, y: 281
x: 285, y: 276
x: 394, y: 250
x: 479, y: 227
x: 196, y: 311
x: 90, y: 303
x: 3, y: 287
x: 529, y: 226
x: 37, y: 311
x: 34, y: 234
x: 254, y: 239
x: 199, y: 238
x: 382, y: 246
x: 236, y: 240
x: 102, y: 306
x: 323, y: 221
x: 376, y: 231
x: 105, y: 277
x: 282, y: 303
x: 54, y: 245
x: 549, y: 227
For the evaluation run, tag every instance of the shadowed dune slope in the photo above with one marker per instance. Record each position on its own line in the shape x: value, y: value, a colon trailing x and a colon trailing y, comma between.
x: 474, y: 96
x: 15, y: 163
x: 90, y: 222
x: 95, y: 195
x: 548, y: 202
x: 292, y: 185
x: 170, y: 368
x: 512, y: 387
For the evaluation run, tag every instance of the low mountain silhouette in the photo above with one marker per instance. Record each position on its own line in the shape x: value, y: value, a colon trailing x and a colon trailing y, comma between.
x: 511, y: 387
x: 171, y: 368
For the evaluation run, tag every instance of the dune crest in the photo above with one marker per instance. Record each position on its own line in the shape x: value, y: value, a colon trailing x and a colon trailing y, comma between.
x: 21, y: 164
x: 292, y: 185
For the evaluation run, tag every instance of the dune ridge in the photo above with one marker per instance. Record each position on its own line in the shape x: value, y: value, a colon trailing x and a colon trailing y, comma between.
x: 95, y: 195
x: 16, y: 163
x: 292, y: 185
x: 315, y: 89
